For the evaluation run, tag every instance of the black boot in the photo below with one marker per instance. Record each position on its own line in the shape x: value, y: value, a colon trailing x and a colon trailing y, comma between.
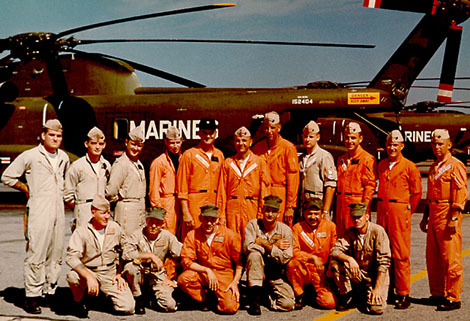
x: 255, y: 293
x: 299, y: 302
x: 81, y: 309
x: 139, y: 305
x: 345, y: 302
x: 31, y: 305
x: 402, y: 302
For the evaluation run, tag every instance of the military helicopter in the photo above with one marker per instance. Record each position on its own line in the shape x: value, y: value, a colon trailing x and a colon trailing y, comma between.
x: 44, y: 76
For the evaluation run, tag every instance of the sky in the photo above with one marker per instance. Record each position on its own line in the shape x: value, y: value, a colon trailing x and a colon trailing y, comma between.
x: 217, y: 65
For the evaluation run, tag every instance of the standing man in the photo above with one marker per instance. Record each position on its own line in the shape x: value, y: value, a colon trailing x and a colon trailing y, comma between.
x: 283, y: 163
x: 244, y: 182
x: 93, y: 255
x: 317, y: 169
x: 87, y: 177
x: 146, y: 250
x: 127, y: 184
x: 209, y: 255
x: 268, y: 245
x: 44, y: 167
x: 356, y: 177
x: 360, y: 261
x: 198, y: 176
x: 162, y: 186
x: 313, y: 239
x: 447, y: 195
x: 398, y: 195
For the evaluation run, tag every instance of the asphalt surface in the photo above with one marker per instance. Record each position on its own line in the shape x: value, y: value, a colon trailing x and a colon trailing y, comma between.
x: 12, y: 249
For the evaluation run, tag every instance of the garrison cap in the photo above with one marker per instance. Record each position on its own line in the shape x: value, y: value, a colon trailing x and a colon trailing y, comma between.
x: 272, y: 201
x: 95, y: 133
x: 137, y: 134
x: 395, y: 136
x: 272, y: 118
x: 207, y: 123
x: 172, y: 133
x: 210, y: 210
x: 311, y: 128
x: 242, y: 132
x: 313, y: 203
x: 53, y: 124
x: 358, y: 209
x: 440, y: 134
x: 156, y: 212
x: 100, y: 203
x: 353, y: 128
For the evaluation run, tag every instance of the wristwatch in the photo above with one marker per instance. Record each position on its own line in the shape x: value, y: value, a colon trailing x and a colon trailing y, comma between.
x: 454, y: 218
x: 325, y: 212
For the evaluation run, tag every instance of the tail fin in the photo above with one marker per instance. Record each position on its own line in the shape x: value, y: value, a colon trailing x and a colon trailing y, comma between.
x: 413, y: 55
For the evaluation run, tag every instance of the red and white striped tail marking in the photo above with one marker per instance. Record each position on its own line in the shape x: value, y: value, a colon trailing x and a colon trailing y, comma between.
x: 445, y: 93
x: 372, y: 3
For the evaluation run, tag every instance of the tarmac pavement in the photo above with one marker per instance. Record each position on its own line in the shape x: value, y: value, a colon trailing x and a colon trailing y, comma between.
x: 12, y: 249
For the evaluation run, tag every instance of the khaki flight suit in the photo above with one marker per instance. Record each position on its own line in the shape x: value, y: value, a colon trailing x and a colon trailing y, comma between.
x: 198, y: 180
x: 221, y: 257
x: 127, y: 185
x: 301, y: 271
x: 283, y: 164
x: 162, y: 190
x: 262, y: 266
x: 241, y: 192
x: 45, y: 227
x: 317, y: 172
x: 447, y: 189
x: 372, y: 256
x: 84, y: 249
x: 356, y: 183
x: 164, y: 245
x: 399, y: 192
x: 82, y: 183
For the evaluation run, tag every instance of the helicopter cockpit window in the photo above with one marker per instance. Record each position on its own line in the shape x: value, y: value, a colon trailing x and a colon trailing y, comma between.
x: 121, y: 128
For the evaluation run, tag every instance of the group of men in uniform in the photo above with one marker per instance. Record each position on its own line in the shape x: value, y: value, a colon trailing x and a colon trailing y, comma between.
x: 214, y: 218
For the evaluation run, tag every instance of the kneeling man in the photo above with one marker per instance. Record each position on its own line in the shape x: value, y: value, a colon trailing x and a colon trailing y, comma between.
x: 93, y: 255
x: 208, y: 256
x: 360, y: 261
x: 313, y: 239
x: 146, y: 250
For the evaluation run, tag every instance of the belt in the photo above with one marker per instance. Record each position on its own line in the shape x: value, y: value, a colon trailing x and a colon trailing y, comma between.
x: 131, y: 199
x: 169, y: 195
x: 97, y: 267
x: 312, y: 192
x: 390, y: 201
x: 278, y: 185
x: 247, y: 197
x: 203, y: 191
x: 339, y: 193
x: 84, y: 201
x: 441, y: 201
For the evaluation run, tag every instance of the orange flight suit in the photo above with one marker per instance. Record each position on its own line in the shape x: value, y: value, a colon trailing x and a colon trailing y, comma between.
x: 398, y: 195
x: 447, y: 189
x: 220, y: 256
x: 197, y: 181
x: 241, y: 192
x: 356, y: 183
x: 283, y: 164
x: 300, y: 270
x: 162, y: 190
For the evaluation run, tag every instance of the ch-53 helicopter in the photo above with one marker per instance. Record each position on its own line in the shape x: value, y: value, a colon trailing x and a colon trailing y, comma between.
x: 44, y: 76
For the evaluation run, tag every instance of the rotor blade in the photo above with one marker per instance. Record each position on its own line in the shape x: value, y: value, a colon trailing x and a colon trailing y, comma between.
x: 149, y: 70
x: 247, y: 42
x: 424, y: 6
x: 435, y: 87
x: 449, y: 65
x: 145, y: 16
